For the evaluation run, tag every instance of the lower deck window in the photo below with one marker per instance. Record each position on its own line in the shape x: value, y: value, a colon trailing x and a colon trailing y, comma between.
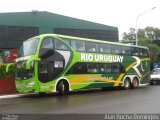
x: 96, y: 68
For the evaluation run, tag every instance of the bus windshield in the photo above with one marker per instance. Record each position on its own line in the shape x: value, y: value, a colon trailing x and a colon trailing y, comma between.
x: 29, y: 47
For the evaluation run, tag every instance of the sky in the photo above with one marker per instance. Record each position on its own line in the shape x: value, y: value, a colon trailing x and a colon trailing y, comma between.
x: 117, y: 13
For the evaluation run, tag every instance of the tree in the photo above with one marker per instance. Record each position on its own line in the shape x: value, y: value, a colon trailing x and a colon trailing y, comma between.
x: 131, y: 35
x: 148, y: 32
x: 146, y: 37
x: 153, y: 48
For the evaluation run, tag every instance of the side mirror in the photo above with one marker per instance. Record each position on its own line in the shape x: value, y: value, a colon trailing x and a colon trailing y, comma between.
x: 28, y: 63
x: 8, y: 65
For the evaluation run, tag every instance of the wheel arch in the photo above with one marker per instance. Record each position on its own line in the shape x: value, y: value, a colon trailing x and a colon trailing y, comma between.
x: 131, y: 77
x: 62, y: 79
x: 126, y: 77
x: 136, y: 78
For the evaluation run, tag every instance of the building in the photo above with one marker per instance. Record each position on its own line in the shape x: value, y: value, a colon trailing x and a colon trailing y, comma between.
x: 19, y: 26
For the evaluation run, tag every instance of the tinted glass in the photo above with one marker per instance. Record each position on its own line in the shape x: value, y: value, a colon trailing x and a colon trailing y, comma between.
x: 104, y: 48
x: 115, y: 49
x: 78, y: 68
x: 135, y: 51
x: 67, y: 41
x: 115, y: 68
x: 102, y: 68
x: 126, y: 50
x: 78, y: 45
x: 47, y: 43
x: 60, y: 45
x: 91, y: 47
x: 92, y: 68
x: 30, y: 46
x: 143, y: 52
x: 108, y: 68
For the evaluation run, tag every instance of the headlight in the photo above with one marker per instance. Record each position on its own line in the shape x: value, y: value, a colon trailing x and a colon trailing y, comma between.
x: 31, y: 84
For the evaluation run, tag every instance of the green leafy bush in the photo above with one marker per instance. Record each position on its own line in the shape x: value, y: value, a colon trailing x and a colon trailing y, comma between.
x: 9, y: 74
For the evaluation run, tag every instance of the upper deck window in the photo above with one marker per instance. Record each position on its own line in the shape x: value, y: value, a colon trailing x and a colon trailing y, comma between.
x: 47, y: 43
x: 143, y: 52
x: 126, y: 50
x: 67, y: 41
x: 60, y: 46
x: 104, y: 48
x: 135, y: 51
x: 30, y: 46
x: 78, y: 45
x: 116, y: 49
x: 91, y: 47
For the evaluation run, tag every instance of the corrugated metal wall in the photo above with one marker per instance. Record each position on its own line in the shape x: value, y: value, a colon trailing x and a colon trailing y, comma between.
x: 17, y: 27
x: 13, y: 36
x: 107, y: 35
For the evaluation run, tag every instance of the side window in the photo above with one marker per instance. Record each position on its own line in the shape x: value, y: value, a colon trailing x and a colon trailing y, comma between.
x: 102, y: 68
x: 92, y: 68
x: 78, y: 68
x: 91, y: 47
x: 60, y: 46
x: 78, y: 45
x: 118, y: 68
x: 108, y: 68
x: 135, y: 51
x: 67, y: 41
x: 58, y: 64
x: 43, y: 68
x: 143, y: 52
x: 126, y: 50
x: 46, y: 51
x: 47, y: 43
x: 116, y: 49
x: 115, y: 68
x: 104, y: 48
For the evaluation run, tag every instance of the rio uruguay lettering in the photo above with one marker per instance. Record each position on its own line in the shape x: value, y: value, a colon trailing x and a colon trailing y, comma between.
x: 101, y: 58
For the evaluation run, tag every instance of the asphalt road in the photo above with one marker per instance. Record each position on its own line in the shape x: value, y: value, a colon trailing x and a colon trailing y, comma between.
x: 144, y: 99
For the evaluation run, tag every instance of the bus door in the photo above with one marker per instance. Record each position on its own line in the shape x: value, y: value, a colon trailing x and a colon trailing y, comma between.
x: 45, y: 66
x: 54, y: 57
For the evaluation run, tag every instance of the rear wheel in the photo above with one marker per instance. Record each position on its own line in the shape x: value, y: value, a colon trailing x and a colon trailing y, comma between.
x: 135, y: 83
x: 126, y: 84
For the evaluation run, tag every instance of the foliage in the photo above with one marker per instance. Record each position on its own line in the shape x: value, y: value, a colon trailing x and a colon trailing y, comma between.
x: 146, y: 37
x: 154, y: 49
x: 9, y: 74
x: 148, y: 32
x: 131, y: 35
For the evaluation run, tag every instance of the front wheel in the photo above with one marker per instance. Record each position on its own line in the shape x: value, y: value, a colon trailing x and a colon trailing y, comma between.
x: 62, y: 87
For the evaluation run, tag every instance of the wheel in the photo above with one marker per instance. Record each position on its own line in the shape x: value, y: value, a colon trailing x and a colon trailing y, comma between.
x: 151, y: 83
x: 127, y: 84
x: 62, y: 87
x: 135, y: 83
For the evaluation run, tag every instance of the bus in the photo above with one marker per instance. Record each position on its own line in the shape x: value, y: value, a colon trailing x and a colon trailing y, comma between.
x: 59, y: 63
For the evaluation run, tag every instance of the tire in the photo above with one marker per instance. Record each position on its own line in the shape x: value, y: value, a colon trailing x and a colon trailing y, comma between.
x: 126, y: 84
x: 62, y: 87
x: 135, y: 83
x: 151, y: 83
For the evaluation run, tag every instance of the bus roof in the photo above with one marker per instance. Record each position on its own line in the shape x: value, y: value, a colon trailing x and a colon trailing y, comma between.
x: 86, y: 39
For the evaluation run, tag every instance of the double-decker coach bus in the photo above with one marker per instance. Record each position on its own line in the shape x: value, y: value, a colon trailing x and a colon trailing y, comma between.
x: 59, y: 63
